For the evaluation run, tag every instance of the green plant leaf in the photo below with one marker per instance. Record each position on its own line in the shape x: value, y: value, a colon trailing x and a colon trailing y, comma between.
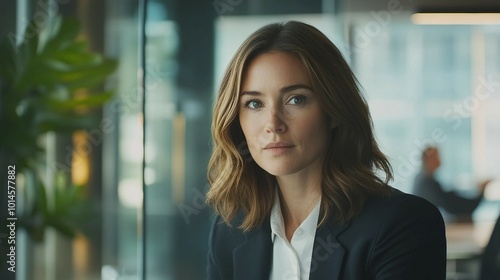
x: 92, y: 100
x: 26, y: 56
x: 49, y: 32
x: 62, y: 225
x: 90, y: 75
x: 39, y: 78
x: 41, y: 199
x: 7, y: 65
x: 50, y: 121
x: 59, y: 34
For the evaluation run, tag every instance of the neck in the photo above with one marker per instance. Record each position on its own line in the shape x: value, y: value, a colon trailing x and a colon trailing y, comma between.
x: 298, y: 196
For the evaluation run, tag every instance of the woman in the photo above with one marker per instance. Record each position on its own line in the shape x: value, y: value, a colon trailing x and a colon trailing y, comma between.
x: 295, y: 173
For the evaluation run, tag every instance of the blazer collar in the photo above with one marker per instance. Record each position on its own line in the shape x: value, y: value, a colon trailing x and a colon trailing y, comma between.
x: 328, y: 253
x: 253, y: 258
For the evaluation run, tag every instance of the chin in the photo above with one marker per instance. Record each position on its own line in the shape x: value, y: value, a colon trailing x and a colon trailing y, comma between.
x: 280, y: 171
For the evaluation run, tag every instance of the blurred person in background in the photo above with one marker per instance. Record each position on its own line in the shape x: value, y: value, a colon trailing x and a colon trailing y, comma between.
x: 456, y: 208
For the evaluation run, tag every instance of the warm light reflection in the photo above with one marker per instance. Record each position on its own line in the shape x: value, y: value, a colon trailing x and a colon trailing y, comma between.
x: 456, y: 18
x: 80, y: 163
x: 81, y: 253
x: 178, y: 158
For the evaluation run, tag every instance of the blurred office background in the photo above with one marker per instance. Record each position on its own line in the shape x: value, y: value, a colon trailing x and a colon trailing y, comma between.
x: 436, y: 83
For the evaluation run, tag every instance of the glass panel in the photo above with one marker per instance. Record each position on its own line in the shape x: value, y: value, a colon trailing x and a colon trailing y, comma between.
x: 412, y: 75
x: 421, y: 83
x: 178, y: 104
x: 165, y: 156
x: 123, y: 149
x: 484, y: 102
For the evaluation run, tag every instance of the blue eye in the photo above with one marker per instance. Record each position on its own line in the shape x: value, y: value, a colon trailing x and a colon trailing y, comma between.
x: 297, y: 100
x: 253, y: 104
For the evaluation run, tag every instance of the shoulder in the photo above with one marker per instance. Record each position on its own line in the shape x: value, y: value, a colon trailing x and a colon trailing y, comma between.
x: 403, y: 209
x: 226, y: 236
x: 398, y: 200
x: 227, y: 230
x: 226, y: 239
x: 408, y: 228
x: 397, y: 236
x: 223, y: 239
x: 399, y: 217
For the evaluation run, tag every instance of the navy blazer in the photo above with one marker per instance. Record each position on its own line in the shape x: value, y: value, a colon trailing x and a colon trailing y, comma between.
x: 397, y: 237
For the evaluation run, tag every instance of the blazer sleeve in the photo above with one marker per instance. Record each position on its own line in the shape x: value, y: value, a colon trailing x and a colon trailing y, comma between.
x: 411, y: 243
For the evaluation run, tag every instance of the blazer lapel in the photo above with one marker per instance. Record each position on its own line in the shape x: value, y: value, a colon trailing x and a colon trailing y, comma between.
x: 253, y: 259
x: 328, y: 254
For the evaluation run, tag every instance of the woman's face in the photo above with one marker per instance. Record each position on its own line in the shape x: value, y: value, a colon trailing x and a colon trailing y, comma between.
x: 286, y: 130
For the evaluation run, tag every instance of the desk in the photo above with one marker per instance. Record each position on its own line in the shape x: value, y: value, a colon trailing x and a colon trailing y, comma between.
x: 466, y: 242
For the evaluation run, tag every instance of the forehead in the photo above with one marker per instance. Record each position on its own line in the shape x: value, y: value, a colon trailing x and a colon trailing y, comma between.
x: 274, y: 70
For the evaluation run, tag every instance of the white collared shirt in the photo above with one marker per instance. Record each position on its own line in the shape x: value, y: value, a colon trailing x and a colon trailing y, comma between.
x: 292, y: 260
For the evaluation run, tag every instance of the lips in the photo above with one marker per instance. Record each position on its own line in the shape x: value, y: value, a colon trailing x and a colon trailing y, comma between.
x: 277, y: 145
x: 278, y: 148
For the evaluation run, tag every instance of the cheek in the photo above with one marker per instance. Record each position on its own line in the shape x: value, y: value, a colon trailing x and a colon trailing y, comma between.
x: 318, y: 136
x: 252, y: 142
x: 250, y: 123
x: 249, y: 131
x: 314, y: 125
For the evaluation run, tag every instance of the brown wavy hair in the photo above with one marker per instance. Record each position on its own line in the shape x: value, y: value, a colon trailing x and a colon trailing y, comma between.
x: 353, y: 166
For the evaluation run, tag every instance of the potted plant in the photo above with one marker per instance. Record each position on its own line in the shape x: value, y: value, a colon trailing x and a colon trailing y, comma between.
x: 42, y: 79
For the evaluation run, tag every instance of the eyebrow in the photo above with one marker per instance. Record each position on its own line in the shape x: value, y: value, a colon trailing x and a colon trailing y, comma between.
x: 282, y: 91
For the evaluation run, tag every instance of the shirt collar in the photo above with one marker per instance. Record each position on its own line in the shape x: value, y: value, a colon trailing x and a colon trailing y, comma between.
x: 278, y: 225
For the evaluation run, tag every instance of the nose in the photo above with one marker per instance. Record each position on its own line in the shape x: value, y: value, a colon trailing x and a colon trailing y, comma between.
x: 275, y: 122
